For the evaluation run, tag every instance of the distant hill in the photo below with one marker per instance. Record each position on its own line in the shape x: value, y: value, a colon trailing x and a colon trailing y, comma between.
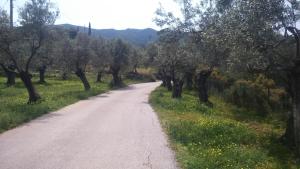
x: 140, y: 37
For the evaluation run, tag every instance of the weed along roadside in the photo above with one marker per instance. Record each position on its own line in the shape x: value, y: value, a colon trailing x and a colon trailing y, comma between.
x: 220, y: 137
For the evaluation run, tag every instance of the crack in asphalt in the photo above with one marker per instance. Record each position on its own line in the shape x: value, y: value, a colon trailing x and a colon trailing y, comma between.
x: 148, y: 163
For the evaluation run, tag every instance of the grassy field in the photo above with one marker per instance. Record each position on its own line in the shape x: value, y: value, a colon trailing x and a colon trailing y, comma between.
x: 222, y: 137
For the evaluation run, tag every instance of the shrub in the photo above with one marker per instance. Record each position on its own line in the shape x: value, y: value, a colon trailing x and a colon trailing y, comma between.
x: 141, y: 76
x: 219, y: 82
x: 249, y: 95
x: 260, y: 95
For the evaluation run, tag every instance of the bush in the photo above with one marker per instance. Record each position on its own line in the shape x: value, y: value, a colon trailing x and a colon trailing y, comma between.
x: 260, y: 95
x: 219, y: 82
x: 145, y: 77
x: 249, y: 95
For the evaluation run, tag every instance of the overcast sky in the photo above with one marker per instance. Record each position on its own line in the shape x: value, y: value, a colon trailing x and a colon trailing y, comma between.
x: 117, y: 14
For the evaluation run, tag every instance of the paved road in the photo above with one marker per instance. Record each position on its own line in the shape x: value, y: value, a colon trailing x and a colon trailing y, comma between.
x: 116, y: 130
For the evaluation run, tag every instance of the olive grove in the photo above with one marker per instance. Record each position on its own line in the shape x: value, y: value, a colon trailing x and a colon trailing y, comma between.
x: 243, y: 39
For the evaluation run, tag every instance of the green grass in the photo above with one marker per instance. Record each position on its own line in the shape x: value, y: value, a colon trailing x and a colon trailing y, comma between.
x: 55, y: 94
x: 222, y: 137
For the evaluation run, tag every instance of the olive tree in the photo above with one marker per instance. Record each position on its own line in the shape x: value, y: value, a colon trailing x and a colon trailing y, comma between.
x: 151, y: 52
x: 201, y: 34
x: 82, y: 57
x: 75, y: 56
x: 5, y: 63
x: 211, y: 53
x: 99, y: 48
x: 173, y: 60
x: 64, y: 61
x: 257, y: 33
x: 22, y: 43
x: 136, y: 57
x: 47, y: 54
x: 118, y: 60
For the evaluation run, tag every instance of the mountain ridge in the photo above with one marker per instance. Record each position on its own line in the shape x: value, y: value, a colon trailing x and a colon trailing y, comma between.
x: 139, y: 37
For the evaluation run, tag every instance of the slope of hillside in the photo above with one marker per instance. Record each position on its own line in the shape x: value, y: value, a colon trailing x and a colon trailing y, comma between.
x: 140, y: 37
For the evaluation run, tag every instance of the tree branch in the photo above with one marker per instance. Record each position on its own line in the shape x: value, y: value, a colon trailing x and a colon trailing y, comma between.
x: 11, y: 56
x: 34, y: 50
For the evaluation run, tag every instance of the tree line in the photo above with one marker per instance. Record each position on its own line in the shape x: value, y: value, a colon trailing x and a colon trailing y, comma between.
x: 244, y: 45
x: 36, y: 44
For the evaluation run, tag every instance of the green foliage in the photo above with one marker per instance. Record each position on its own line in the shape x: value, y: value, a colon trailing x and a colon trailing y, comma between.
x: 218, y: 82
x: 56, y: 94
x: 222, y: 137
x: 260, y: 95
x: 119, y: 51
x: 250, y: 95
x: 38, y: 13
x: 142, y: 75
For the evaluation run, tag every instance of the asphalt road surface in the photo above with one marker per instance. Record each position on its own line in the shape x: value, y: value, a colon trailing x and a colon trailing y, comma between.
x: 115, y: 130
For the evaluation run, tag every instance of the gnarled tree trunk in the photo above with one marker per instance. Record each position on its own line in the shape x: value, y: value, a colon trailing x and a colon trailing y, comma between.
x: 11, y: 78
x: 189, y: 80
x: 99, y: 77
x: 166, y: 79
x: 202, y: 85
x: 80, y: 73
x: 10, y: 75
x: 296, y: 105
x: 42, y: 71
x: 33, y: 94
x: 162, y: 76
x: 135, y: 68
x: 64, y: 76
x: 177, y: 88
x: 293, y: 127
x: 168, y: 82
x: 164, y: 83
x: 289, y: 135
x: 116, y: 81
